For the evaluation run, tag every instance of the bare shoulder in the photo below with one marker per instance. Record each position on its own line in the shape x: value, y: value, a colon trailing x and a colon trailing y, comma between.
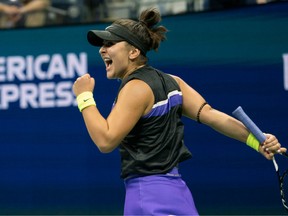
x: 177, y: 79
x: 136, y: 87
x: 136, y: 93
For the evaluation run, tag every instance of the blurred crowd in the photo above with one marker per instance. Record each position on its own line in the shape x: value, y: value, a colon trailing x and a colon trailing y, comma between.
x: 23, y: 13
x: 35, y: 13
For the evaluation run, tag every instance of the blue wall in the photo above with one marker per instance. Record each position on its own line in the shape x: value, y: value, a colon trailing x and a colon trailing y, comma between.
x: 48, y: 163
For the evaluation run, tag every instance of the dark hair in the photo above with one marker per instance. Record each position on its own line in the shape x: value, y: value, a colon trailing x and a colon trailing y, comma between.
x: 145, y: 28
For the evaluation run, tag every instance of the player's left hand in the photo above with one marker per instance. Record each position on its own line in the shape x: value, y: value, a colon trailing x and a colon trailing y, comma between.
x: 270, y: 147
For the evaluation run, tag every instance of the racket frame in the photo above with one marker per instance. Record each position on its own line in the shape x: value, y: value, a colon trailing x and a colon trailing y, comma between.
x: 254, y: 129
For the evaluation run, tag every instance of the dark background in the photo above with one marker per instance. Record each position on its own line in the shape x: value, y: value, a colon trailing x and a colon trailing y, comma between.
x: 48, y: 164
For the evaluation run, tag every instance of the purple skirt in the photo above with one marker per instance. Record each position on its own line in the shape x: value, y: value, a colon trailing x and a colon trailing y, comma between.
x: 161, y: 194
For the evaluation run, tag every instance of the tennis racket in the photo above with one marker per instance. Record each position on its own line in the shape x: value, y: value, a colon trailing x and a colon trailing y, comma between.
x: 252, y: 127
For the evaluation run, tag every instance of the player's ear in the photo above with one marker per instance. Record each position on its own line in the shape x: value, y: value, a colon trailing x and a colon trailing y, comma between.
x: 134, y: 53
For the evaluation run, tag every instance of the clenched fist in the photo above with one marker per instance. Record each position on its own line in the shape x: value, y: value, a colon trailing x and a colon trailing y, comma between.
x: 83, y: 83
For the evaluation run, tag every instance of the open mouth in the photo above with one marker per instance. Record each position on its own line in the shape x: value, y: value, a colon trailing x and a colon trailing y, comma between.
x: 108, y: 62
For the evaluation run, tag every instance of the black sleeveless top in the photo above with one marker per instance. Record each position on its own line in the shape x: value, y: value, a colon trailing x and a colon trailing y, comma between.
x: 155, y: 145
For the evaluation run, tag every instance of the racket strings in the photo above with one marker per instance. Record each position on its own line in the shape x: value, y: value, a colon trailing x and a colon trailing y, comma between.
x: 284, y: 189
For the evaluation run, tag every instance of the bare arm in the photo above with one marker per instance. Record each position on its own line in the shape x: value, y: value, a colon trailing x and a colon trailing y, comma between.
x: 3, y: 7
x: 221, y: 122
x: 15, y: 13
x: 215, y: 119
x: 34, y: 6
x: 134, y: 100
x: 8, y: 9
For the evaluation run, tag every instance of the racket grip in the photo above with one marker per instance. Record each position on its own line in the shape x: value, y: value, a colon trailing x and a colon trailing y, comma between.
x: 252, y: 127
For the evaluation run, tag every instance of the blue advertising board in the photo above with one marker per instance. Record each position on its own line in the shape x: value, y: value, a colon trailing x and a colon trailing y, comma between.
x: 49, y: 165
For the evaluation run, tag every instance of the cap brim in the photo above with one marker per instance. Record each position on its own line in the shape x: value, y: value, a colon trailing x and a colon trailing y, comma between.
x: 96, y: 37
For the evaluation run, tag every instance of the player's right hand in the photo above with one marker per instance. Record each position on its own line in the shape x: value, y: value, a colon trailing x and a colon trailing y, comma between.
x: 83, y: 83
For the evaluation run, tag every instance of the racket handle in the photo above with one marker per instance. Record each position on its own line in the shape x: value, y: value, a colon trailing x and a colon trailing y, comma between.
x: 252, y: 127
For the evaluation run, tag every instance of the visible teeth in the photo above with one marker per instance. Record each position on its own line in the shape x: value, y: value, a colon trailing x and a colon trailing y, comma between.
x: 108, y: 61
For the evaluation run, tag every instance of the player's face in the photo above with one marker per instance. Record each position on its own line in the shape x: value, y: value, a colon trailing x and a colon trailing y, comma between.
x: 116, y: 58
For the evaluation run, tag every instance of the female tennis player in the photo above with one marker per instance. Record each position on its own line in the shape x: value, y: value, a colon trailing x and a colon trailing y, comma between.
x: 145, y: 122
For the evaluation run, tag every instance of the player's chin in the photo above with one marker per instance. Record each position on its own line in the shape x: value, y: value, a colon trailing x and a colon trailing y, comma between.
x: 109, y: 75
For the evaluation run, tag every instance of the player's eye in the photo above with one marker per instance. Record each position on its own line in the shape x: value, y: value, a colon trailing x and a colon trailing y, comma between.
x: 109, y: 43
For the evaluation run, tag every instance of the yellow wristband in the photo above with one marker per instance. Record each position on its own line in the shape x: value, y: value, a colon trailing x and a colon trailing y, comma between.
x: 253, y: 142
x: 85, y: 100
